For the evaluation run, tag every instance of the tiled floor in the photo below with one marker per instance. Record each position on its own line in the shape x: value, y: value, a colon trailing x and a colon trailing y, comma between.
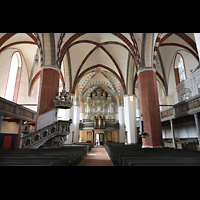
x: 96, y: 157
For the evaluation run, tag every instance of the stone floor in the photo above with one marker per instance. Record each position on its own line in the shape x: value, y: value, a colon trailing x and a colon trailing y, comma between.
x: 96, y: 157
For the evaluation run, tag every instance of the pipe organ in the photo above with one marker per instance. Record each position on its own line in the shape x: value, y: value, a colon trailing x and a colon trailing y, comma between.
x: 99, y: 103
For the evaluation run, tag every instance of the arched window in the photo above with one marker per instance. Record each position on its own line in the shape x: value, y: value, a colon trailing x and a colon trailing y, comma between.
x: 179, y: 69
x: 13, y: 82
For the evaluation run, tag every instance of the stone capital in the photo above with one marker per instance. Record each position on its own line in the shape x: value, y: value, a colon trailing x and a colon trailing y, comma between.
x: 146, y: 69
x: 51, y: 67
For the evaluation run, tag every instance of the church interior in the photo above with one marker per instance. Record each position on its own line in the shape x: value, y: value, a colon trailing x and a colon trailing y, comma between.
x: 73, y: 92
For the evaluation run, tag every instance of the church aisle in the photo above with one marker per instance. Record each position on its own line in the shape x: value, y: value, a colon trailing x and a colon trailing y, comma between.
x: 96, y: 157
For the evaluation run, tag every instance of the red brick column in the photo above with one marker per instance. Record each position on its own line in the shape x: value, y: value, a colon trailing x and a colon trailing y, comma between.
x: 49, y: 85
x: 149, y: 107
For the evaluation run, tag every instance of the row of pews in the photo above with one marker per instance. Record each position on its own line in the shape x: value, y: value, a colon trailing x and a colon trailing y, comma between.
x: 68, y: 155
x: 133, y: 155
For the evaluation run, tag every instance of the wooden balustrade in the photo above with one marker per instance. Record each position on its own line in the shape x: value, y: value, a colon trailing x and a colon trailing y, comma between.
x: 17, y: 111
x: 34, y: 140
x: 189, y: 106
x: 99, y: 124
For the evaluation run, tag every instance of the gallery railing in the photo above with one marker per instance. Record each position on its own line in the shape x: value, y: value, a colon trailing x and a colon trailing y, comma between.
x: 189, y: 106
x: 9, y: 108
x: 99, y: 124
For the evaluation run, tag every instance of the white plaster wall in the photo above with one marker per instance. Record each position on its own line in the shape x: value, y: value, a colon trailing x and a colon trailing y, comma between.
x: 130, y: 119
x: 121, y: 124
x: 168, y: 56
x: 75, y: 124
x: 9, y: 127
x: 181, y: 130
x: 5, y: 58
x: 197, y: 39
x: 23, y: 97
x: 46, y: 119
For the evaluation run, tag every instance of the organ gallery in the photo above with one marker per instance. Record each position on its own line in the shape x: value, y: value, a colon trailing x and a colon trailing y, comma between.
x: 99, y: 103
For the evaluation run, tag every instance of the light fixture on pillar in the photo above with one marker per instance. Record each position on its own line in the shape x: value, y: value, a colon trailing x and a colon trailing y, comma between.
x: 142, y: 134
x: 131, y: 98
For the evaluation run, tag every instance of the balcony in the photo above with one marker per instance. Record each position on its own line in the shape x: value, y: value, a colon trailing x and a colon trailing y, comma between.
x: 108, y: 124
x: 17, y: 111
x: 186, y: 107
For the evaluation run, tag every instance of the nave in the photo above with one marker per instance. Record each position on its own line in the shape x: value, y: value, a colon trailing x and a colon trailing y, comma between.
x: 97, y: 157
x: 111, y: 154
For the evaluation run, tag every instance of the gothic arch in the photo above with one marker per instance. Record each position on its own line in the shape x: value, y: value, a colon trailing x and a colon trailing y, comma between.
x: 147, y: 50
x: 49, y: 49
x: 35, y: 37
x: 87, y: 87
x: 103, y: 86
x: 99, y: 45
x: 130, y: 76
x: 37, y: 77
x: 66, y: 46
x: 93, y: 67
x: 183, y: 36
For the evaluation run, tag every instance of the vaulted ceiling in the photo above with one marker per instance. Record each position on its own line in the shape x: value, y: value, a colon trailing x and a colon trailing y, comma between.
x: 95, y: 59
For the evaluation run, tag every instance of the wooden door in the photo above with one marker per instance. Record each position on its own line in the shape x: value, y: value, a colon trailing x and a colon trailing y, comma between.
x: 101, y: 138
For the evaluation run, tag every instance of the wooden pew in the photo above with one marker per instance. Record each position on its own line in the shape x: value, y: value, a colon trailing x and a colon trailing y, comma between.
x: 89, y: 145
x: 133, y: 155
x: 64, y: 159
x: 36, y: 153
x: 185, y: 162
x: 19, y: 161
x: 65, y: 156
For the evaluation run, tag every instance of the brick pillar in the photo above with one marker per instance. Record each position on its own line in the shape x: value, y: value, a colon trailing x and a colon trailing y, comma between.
x: 49, y: 85
x: 149, y: 107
